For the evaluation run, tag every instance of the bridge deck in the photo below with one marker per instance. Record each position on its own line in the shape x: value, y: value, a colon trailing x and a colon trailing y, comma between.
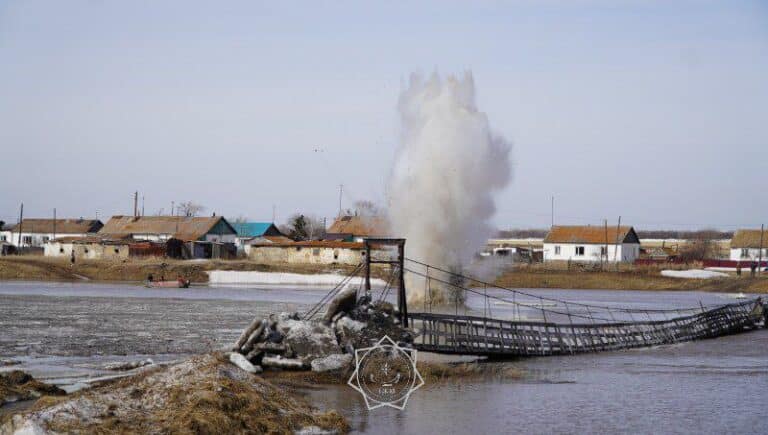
x: 455, y: 334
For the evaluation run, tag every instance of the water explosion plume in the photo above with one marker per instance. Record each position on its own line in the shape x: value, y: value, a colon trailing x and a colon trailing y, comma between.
x: 447, y: 169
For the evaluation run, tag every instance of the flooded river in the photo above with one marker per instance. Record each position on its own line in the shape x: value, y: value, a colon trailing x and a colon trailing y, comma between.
x: 65, y: 333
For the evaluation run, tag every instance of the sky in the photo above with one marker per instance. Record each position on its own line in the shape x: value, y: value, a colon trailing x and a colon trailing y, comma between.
x: 655, y: 111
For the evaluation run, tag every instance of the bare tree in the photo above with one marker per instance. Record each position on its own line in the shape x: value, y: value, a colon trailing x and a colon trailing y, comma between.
x: 189, y: 209
x: 701, y: 246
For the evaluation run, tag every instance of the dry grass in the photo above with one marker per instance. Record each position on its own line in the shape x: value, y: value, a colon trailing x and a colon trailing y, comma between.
x: 628, y: 277
x: 137, y: 269
x: 213, y: 398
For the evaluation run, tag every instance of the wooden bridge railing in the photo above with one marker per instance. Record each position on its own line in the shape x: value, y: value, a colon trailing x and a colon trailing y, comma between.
x: 456, y: 334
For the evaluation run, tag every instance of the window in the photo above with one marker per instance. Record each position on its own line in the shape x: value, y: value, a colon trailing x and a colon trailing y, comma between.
x: 744, y: 253
x: 46, y: 239
x: 2, y: 238
x: 86, y: 250
x: 336, y: 255
x: 316, y: 251
x: 603, y: 251
x: 26, y: 240
x: 61, y: 250
x: 117, y: 251
x: 579, y: 251
x: 557, y: 250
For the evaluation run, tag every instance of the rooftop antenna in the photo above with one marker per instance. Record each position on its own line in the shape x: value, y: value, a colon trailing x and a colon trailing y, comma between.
x: 273, y: 212
x: 136, y: 203
x: 341, y: 191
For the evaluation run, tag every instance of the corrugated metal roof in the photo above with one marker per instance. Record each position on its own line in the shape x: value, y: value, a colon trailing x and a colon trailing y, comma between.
x: 591, y: 235
x: 748, y: 239
x: 63, y: 226
x: 180, y: 227
x: 252, y: 229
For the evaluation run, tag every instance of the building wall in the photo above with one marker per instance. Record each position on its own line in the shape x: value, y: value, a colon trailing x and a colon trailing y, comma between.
x: 222, y: 238
x: 90, y: 251
x: 35, y: 239
x: 748, y: 255
x: 276, y: 255
x: 626, y: 252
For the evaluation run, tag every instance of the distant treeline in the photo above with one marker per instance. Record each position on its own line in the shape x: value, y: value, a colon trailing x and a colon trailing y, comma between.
x: 540, y: 233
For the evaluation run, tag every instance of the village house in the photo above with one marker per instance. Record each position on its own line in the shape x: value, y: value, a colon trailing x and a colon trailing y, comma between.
x: 35, y: 233
x: 746, y: 245
x: 356, y: 228
x: 247, y: 231
x: 306, y: 252
x: 91, y: 248
x: 591, y: 244
x: 184, y: 236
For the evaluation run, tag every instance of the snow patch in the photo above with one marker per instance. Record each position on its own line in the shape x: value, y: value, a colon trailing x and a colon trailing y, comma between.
x: 255, y: 277
x: 693, y: 274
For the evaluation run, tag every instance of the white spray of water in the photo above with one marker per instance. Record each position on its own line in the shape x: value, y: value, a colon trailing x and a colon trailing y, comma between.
x: 447, y: 170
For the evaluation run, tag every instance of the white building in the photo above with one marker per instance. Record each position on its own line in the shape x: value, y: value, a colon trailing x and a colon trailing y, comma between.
x: 746, y: 244
x: 35, y: 233
x: 161, y: 228
x: 591, y: 244
x: 308, y: 252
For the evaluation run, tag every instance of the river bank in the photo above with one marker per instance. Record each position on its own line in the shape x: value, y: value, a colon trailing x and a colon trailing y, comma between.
x: 67, y: 333
x: 628, y: 277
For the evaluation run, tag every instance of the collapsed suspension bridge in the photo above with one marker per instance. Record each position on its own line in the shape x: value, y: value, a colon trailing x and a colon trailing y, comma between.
x: 535, y: 325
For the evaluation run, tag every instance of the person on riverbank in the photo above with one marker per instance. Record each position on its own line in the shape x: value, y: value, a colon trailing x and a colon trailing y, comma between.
x: 752, y: 269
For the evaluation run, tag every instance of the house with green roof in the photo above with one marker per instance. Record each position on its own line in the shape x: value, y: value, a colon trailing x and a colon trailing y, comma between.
x: 247, y: 231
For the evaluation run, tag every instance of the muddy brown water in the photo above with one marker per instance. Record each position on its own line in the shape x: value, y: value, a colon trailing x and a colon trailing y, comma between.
x: 66, y: 332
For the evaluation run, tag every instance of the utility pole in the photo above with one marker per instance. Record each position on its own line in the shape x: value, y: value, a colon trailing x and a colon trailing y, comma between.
x: 341, y: 190
x: 136, y: 204
x: 274, y: 213
x: 552, y: 211
x: 760, y: 251
x: 54, y: 223
x: 172, y: 206
x: 616, y: 248
x: 21, y: 219
x: 142, y: 205
x: 605, y: 222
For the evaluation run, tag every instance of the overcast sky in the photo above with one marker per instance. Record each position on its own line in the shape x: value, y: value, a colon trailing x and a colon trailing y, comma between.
x: 653, y: 110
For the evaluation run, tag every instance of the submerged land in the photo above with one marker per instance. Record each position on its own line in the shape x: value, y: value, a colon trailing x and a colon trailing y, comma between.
x: 626, y: 277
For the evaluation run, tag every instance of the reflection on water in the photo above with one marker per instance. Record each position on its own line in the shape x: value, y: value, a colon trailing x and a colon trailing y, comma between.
x: 709, y: 386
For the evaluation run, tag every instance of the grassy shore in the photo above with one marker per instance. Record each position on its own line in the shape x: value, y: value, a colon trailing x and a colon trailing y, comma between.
x: 627, y: 277
x: 59, y: 269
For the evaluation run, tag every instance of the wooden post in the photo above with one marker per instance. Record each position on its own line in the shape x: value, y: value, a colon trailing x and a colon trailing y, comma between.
x: 21, y: 220
x: 760, y: 251
x: 401, y: 298
x: 367, y: 268
x: 616, y: 248
x: 605, y: 221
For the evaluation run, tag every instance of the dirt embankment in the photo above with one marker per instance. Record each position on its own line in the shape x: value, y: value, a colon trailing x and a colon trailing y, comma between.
x: 628, y: 277
x: 17, y: 385
x: 204, y: 394
x: 59, y: 269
